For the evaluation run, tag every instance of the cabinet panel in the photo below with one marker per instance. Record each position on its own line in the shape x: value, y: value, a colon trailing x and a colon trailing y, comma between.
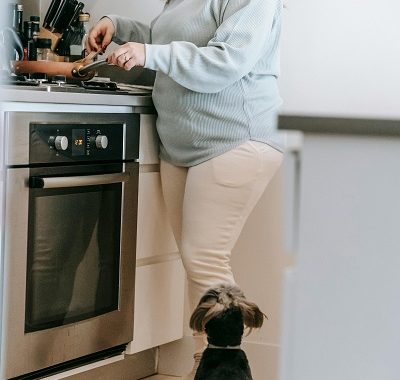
x: 155, y: 235
x: 160, y: 277
x: 148, y: 153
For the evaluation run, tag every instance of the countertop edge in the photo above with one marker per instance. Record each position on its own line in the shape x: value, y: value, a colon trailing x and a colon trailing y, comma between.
x: 22, y: 95
x: 339, y: 125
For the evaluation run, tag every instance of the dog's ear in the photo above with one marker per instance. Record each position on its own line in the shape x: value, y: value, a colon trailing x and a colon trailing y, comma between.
x: 197, y: 317
x: 206, y: 310
x: 253, y: 317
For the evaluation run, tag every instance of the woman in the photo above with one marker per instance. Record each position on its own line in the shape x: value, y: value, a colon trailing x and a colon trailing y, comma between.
x: 216, y: 95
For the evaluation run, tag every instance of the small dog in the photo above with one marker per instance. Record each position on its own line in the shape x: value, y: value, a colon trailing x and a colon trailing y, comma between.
x: 222, y: 313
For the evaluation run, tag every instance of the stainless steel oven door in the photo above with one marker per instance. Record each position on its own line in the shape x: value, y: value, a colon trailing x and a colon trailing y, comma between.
x: 69, y: 264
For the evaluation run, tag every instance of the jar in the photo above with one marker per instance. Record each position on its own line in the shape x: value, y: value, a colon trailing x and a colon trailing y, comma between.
x: 43, y: 48
x: 77, y: 50
x: 83, y: 21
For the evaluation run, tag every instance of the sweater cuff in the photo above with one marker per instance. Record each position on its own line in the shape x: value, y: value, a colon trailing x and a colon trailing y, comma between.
x: 158, y: 57
x: 114, y: 20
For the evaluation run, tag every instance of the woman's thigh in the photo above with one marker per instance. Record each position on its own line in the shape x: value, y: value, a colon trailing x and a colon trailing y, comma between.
x: 208, y: 205
x: 219, y: 195
x: 173, y: 181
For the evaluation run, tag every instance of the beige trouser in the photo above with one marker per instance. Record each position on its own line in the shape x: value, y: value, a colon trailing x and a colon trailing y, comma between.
x: 208, y: 205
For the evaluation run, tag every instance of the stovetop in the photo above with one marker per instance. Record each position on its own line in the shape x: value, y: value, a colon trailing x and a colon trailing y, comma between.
x: 60, y: 84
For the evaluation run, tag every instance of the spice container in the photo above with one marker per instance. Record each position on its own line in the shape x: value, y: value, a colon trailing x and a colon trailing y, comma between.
x: 77, y: 35
x: 84, y: 20
x: 43, y: 48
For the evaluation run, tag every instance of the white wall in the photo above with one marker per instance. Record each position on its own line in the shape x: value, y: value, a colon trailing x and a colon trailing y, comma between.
x: 341, y: 57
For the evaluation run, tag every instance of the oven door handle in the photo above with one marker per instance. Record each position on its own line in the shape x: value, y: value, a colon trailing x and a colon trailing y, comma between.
x: 77, y: 181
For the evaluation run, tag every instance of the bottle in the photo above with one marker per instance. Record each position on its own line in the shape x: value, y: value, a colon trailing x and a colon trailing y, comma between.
x: 30, y: 43
x: 84, y: 21
x: 12, y: 16
x: 19, y: 19
x: 35, y: 26
x: 43, y: 49
x: 15, y: 23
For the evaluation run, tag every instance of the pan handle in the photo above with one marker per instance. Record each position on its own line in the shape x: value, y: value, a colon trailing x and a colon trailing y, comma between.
x: 81, y: 71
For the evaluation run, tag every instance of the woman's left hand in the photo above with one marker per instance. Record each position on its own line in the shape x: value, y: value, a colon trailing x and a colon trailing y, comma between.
x: 128, y: 55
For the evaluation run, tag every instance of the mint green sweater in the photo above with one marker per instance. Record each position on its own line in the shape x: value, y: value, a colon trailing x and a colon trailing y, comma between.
x: 217, y: 63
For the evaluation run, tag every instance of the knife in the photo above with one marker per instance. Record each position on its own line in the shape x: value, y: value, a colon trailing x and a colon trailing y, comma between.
x: 78, y: 9
x: 60, y: 15
x: 69, y: 14
x: 51, y: 12
x: 61, y: 5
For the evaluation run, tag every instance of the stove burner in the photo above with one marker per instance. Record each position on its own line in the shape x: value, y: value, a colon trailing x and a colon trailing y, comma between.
x: 97, y: 85
x: 58, y: 83
x: 18, y: 80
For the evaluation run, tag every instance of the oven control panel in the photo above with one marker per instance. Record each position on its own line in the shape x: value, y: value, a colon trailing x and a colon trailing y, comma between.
x: 83, y: 142
x: 62, y: 142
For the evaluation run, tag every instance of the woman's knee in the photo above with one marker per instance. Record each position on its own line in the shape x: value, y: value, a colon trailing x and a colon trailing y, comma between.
x: 205, y: 269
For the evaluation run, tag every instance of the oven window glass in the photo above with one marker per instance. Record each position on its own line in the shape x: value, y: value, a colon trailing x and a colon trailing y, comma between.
x: 73, y: 254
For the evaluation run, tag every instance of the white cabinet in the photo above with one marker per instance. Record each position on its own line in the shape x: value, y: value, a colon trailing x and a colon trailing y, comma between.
x: 342, y: 300
x: 158, y: 305
x: 160, y: 277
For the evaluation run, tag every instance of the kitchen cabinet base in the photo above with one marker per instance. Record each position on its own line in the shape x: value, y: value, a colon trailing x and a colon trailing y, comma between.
x: 133, y: 367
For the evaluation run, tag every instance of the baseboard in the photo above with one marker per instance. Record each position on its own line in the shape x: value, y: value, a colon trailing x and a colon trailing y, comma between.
x: 263, y: 359
x: 176, y: 358
x: 133, y: 367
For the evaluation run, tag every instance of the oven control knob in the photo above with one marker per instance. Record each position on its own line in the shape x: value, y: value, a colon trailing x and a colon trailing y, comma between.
x: 101, y: 142
x: 61, y: 142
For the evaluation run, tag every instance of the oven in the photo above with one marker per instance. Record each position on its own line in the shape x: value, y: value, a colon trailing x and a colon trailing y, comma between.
x: 70, y: 239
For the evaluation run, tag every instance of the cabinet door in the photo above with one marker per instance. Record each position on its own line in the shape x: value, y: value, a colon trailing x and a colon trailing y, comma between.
x: 154, y: 233
x: 159, y: 298
x: 148, y: 151
x: 160, y: 277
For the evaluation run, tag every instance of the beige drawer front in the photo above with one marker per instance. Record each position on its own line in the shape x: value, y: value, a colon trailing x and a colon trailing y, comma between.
x: 159, y: 300
x: 148, y: 151
x: 154, y: 232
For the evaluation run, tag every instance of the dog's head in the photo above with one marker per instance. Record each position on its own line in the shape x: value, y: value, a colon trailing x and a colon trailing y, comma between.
x: 223, y: 312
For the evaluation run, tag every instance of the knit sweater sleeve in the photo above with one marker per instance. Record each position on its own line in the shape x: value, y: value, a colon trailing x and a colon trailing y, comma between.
x: 127, y: 29
x: 237, y: 45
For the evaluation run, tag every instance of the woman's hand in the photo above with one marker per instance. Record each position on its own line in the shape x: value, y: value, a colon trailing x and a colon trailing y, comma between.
x: 100, y: 35
x: 128, y: 55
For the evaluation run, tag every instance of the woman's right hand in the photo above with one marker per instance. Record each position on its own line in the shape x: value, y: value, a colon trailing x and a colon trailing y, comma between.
x: 100, y: 35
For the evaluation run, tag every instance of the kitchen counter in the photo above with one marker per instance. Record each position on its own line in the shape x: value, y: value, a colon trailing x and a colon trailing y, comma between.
x: 26, y: 94
x: 340, y: 125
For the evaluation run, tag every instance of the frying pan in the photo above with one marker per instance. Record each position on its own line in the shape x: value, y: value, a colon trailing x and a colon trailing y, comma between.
x: 79, y: 70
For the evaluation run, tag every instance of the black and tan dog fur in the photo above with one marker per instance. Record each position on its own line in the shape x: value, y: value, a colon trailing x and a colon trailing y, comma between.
x: 222, y: 313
